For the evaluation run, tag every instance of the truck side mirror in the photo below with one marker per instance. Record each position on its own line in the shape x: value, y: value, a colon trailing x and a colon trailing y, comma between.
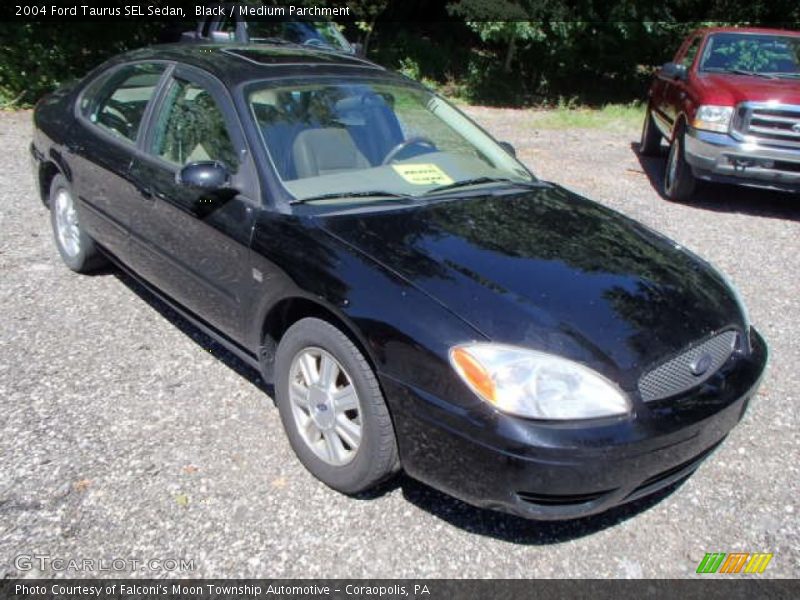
x: 673, y: 70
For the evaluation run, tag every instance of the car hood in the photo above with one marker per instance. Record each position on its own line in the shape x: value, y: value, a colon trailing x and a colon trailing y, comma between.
x: 549, y: 270
x: 728, y: 89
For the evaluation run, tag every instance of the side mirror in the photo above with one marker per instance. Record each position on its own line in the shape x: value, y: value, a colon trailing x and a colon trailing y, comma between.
x: 673, y: 70
x: 210, y: 176
x: 358, y: 49
x: 508, y: 148
x: 208, y: 185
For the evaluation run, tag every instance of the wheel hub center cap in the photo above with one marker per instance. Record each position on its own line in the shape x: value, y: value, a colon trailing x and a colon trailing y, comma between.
x: 321, y: 407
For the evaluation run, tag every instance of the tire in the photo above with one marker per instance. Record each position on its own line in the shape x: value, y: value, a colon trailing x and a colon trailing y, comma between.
x: 650, y: 142
x: 679, y: 181
x: 320, y: 427
x: 77, y: 249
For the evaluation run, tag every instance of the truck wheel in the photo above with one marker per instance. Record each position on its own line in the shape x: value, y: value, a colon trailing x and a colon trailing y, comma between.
x: 650, y: 143
x: 332, y: 408
x: 77, y: 249
x: 679, y: 181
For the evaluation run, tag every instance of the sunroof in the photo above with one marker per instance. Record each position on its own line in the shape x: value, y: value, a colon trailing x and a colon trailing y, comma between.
x: 294, y: 56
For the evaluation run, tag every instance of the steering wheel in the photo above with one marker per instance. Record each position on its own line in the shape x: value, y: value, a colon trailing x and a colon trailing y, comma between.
x: 413, y: 141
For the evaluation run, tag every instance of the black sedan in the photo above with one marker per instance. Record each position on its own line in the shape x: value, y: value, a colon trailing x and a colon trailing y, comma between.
x: 417, y: 297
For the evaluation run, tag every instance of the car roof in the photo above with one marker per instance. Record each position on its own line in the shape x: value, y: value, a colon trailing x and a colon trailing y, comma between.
x: 756, y: 30
x: 234, y: 64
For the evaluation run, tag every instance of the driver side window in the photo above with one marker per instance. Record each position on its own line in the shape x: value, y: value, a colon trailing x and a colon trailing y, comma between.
x: 691, y: 52
x: 191, y: 128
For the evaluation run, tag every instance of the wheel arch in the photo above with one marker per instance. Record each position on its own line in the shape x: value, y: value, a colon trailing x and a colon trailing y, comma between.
x: 680, y: 121
x: 288, y: 311
x: 51, y: 164
x: 47, y: 173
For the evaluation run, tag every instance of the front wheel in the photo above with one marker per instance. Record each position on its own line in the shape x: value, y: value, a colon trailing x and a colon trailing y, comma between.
x: 679, y: 181
x: 650, y: 142
x: 77, y: 249
x: 332, y: 408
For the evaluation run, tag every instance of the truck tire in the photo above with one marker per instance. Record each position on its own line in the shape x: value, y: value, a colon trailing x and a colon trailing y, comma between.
x: 650, y: 143
x: 679, y: 181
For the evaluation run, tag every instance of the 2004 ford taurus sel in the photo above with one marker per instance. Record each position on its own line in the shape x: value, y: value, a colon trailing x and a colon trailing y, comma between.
x: 418, y: 298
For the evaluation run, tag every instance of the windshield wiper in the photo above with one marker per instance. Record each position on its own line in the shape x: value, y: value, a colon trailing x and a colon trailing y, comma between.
x: 384, y: 195
x: 479, y: 180
x: 746, y: 72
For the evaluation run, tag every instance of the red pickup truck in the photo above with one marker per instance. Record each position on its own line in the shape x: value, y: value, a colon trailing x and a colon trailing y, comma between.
x: 728, y: 105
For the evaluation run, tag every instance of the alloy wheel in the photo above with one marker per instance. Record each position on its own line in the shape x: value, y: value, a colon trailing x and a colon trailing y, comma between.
x: 325, y: 406
x: 672, y: 164
x: 67, y: 223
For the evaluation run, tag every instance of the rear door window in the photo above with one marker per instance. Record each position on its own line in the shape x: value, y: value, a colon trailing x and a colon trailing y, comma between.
x: 116, y: 102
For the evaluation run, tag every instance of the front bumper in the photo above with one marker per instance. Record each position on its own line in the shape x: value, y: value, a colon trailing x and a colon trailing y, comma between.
x: 563, y: 471
x: 721, y: 158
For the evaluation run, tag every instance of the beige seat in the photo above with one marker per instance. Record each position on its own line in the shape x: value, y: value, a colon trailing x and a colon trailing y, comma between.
x: 324, y: 151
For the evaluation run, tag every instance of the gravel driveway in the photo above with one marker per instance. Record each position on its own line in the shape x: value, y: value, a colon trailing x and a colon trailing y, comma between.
x: 127, y: 434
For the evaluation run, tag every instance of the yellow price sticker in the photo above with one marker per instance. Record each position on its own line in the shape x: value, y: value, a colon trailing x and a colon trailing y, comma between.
x: 422, y: 174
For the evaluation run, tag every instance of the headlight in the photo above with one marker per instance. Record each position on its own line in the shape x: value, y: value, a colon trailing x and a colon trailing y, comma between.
x: 536, y: 385
x: 713, y: 118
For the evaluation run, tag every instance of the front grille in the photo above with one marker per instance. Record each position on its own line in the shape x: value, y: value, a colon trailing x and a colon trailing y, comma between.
x: 683, y: 372
x: 768, y: 124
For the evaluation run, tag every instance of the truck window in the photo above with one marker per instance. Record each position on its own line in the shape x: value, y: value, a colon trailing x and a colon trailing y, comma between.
x: 691, y: 52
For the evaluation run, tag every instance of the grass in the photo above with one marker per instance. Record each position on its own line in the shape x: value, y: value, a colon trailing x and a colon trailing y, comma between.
x: 611, y: 116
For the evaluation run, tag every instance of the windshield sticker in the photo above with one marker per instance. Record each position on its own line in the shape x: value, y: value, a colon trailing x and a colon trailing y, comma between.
x: 422, y: 174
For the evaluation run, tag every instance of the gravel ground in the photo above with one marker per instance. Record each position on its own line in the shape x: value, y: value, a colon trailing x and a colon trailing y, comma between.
x: 126, y: 433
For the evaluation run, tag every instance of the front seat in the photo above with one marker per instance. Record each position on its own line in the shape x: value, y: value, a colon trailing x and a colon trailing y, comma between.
x: 324, y: 151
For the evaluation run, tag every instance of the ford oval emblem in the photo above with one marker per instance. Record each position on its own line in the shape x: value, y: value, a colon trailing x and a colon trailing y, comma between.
x: 796, y: 127
x: 701, y: 364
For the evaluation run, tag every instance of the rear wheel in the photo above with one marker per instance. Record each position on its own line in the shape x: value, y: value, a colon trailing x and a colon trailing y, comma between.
x: 77, y: 249
x: 332, y: 408
x: 650, y: 142
x: 679, y: 181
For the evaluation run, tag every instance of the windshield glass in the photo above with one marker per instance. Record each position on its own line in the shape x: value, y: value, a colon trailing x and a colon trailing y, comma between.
x: 752, y: 53
x: 331, y: 139
x: 311, y: 33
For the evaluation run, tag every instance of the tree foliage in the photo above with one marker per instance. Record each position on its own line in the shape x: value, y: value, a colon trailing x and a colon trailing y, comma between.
x: 509, y: 52
x: 591, y: 50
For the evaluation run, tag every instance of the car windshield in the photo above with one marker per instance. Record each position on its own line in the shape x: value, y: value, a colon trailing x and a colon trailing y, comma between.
x: 747, y: 53
x: 373, y: 139
x: 319, y: 34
